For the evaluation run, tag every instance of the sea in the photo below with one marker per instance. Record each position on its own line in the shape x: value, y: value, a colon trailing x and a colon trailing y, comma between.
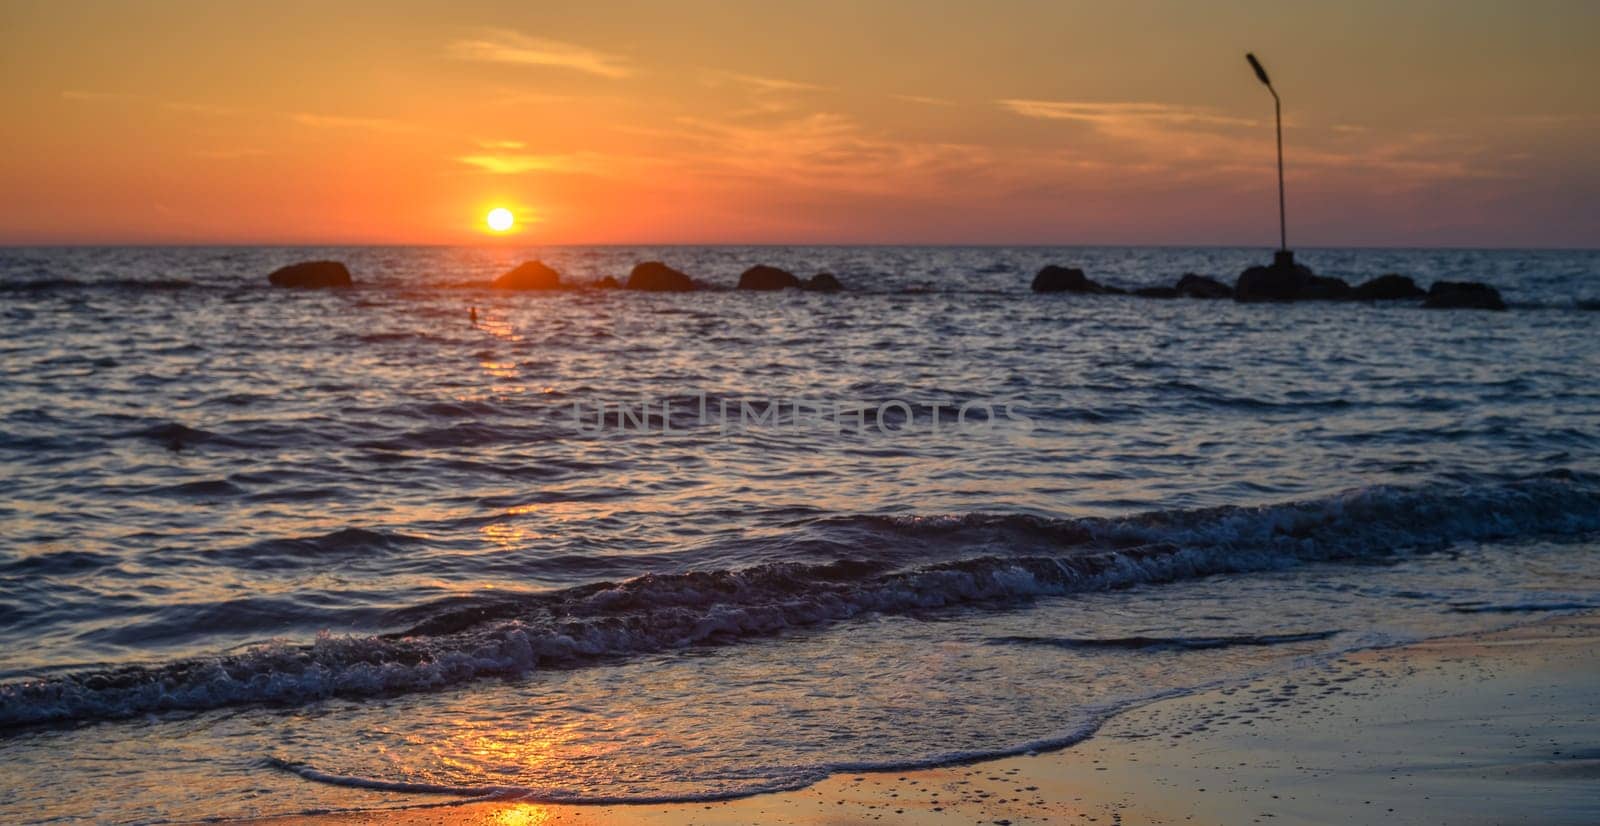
x: 268, y: 551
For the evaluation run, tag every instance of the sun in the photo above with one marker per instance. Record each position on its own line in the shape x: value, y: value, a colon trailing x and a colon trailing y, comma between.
x: 500, y: 219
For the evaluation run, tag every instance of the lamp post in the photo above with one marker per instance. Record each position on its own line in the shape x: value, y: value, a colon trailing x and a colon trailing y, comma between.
x: 1284, y: 257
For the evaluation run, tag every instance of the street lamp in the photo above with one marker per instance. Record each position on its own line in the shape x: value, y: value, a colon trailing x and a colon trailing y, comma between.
x: 1284, y: 257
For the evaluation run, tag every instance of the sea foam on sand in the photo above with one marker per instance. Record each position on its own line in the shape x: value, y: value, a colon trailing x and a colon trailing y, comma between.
x: 1490, y: 728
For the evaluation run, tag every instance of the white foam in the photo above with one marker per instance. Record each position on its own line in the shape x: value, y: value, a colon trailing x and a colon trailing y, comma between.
x: 665, y: 611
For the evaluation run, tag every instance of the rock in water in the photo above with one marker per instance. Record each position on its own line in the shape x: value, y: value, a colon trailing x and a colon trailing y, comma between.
x: 1326, y: 288
x: 656, y: 277
x: 763, y: 277
x: 530, y: 275
x: 822, y: 282
x: 1156, y: 292
x: 1463, y: 295
x: 1202, y: 286
x: 1389, y: 287
x: 608, y: 283
x: 1278, y: 282
x: 312, y: 274
x: 1287, y: 282
x: 1054, y: 279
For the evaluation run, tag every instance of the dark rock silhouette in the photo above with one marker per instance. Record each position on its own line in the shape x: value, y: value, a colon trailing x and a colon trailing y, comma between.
x: 822, y: 282
x: 311, y: 274
x: 1463, y: 295
x: 1156, y: 292
x: 530, y: 275
x: 1202, y: 286
x: 608, y: 283
x: 1327, y: 288
x: 1287, y: 281
x: 656, y: 277
x: 1279, y: 282
x: 763, y: 277
x: 1054, y: 279
x: 1388, y: 287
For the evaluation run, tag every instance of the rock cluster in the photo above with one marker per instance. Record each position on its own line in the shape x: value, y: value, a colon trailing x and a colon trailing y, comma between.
x: 1284, y: 281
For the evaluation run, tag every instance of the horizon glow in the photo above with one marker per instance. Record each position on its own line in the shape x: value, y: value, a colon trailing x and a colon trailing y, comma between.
x: 1458, y: 124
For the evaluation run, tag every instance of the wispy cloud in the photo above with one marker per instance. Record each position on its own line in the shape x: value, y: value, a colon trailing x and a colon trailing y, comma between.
x: 505, y: 46
x: 759, y: 83
x: 1111, y: 113
x: 500, y: 144
x: 345, y: 122
x: 1192, y: 144
x: 521, y: 97
x: 312, y: 119
x: 505, y: 163
x: 206, y: 109
x: 824, y: 151
x: 765, y: 95
x: 924, y: 99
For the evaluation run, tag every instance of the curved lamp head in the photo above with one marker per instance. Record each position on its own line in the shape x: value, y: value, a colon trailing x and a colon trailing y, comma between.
x: 1260, y: 72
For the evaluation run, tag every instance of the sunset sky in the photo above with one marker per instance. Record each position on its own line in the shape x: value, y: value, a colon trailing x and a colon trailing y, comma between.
x: 1440, y: 123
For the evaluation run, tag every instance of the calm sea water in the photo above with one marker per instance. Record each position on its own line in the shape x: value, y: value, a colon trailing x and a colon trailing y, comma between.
x: 265, y: 551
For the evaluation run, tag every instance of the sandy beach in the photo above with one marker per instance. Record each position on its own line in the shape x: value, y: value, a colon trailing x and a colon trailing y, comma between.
x: 1493, y: 728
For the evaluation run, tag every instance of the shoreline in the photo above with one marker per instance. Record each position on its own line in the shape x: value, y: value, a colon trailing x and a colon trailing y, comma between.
x: 1408, y: 734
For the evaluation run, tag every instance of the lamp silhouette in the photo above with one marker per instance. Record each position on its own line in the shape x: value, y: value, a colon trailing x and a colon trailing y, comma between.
x: 1284, y: 257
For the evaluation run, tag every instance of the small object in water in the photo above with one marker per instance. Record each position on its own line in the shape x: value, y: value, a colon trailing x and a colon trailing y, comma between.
x: 472, y: 312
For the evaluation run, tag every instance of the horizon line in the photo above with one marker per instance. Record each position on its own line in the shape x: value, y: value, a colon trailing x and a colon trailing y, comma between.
x: 489, y: 244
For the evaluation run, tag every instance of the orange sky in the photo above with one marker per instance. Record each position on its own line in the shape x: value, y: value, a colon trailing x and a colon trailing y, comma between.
x: 1448, y: 123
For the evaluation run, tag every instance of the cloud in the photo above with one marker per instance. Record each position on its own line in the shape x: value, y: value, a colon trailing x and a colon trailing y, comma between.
x: 1116, y: 113
x: 1178, y: 145
x: 923, y: 99
x: 518, y: 97
x: 500, y: 144
x: 205, y: 109
x: 824, y: 151
x: 516, y: 49
x: 343, y: 122
x: 765, y: 95
x: 518, y: 164
x: 760, y: 83
x: 1167, y: 142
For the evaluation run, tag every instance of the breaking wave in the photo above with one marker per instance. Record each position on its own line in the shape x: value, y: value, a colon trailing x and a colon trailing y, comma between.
x: 990, y: 560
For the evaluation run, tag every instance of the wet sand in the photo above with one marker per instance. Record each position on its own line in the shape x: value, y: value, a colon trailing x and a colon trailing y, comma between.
x: 1493, y: 728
